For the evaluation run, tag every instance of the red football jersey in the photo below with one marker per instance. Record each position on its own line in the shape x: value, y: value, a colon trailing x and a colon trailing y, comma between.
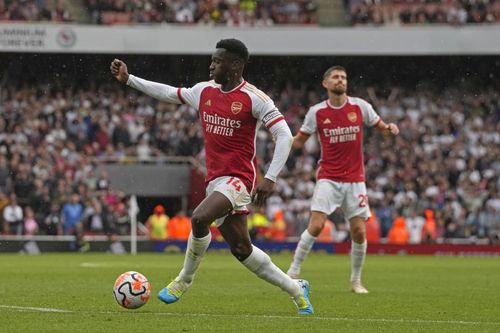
x: 340, y: 133
x: 230, y: 123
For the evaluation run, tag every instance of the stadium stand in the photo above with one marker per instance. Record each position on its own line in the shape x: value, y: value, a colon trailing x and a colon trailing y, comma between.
x: 443, y: 167
x: 441, y: 177
x: 244, y: 13
x: 423, y: 12
x: 56, y: 11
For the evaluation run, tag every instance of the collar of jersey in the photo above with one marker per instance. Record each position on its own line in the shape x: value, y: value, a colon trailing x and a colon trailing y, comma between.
x: 234, y: 89
x: 337, y: 107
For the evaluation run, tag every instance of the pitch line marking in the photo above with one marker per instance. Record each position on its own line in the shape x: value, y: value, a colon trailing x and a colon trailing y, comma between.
x: 30, y: 308
x: 173, y: 314
x: 383, y: 320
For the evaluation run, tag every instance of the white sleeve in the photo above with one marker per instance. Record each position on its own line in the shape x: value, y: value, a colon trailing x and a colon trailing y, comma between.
x: 263, y: 108
x: 192, y: 95
x: 309, y: 126
x: 160, y: 91
x: 268, y: 113
x: 370, y: 117
x: 283, y: 138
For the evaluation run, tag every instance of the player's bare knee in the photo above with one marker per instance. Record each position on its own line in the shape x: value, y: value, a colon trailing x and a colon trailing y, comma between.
x: 315, y: 229
x: 200, y: 226
x: 358, y: 234
x: 241, y: 250
x: 316, y: 226
x: 198, y: 220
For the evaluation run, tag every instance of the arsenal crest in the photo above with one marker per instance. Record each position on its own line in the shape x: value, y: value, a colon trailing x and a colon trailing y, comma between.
x: 236, y: 107
x: 352, y: 117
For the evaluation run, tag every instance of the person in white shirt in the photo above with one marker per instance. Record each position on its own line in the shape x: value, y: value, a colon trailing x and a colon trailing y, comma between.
x: 13, y: 217
x: 414, y: 224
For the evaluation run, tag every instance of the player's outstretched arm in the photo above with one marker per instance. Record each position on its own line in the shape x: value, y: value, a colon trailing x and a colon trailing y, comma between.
x: 283, y: 138
x: 388, y: 128
x: 160, y: 91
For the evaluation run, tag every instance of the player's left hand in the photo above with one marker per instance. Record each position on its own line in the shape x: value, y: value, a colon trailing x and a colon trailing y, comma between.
x: 393, y: 128
x: 262, y: 192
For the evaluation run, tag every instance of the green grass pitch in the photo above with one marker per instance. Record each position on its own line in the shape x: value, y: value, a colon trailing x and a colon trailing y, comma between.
x: 73, y: 293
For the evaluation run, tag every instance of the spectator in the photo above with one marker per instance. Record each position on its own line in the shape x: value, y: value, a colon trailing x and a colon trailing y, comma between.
x: 258, y: 224
x: 373, y: 229
x: 52, y: 224
x: 4, y: 201
x: 277, y: 230
x: 414, y: 224
x: 179, y: 226
x: 429, y: 227
x: 13, y: 217
x: 30, y: 224
x: 398, y: 234
x: 5, y: 180
x: 457, y: 15
x: 96, y: 217
x: 71, y: 215
x: 157, y: 224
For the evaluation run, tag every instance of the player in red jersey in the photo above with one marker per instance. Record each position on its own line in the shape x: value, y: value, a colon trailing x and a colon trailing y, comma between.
x: 231, y: 111
x: 341, y: 175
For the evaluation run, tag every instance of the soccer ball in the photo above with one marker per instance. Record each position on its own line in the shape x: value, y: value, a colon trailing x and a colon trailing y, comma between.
x: 132, y: 290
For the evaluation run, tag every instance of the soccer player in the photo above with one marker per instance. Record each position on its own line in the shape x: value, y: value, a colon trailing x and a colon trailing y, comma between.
x: 340, y: 178
x: 231, y: 111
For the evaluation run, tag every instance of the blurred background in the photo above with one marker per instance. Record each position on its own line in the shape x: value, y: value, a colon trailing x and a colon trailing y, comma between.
x: 86, y: 162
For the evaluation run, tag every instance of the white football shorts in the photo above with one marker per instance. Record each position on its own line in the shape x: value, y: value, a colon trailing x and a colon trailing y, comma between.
x: 234, y: 189
x: 350, y: 197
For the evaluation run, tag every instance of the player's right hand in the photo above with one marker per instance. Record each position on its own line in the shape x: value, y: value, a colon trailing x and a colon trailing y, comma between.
x: 263, y: 191
x: 119, y: 70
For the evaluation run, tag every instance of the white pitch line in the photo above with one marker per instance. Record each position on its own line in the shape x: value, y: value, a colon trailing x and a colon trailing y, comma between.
x: 174, y: 314
x: 383, y: 320
x: 30, y: 308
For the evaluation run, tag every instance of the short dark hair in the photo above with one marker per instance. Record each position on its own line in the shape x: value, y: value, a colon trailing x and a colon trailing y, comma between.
x: 235, y: 47
x: 333, y: 68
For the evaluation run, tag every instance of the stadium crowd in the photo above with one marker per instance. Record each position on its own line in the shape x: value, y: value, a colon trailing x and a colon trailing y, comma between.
x: 241, y: 13
x: 440, y: 176
x: 418, y: 12
x: 35, y: 10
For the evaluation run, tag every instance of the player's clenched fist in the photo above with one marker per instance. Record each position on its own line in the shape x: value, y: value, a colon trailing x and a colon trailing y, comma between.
x: 119, y: 70
x: 393, y: 128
